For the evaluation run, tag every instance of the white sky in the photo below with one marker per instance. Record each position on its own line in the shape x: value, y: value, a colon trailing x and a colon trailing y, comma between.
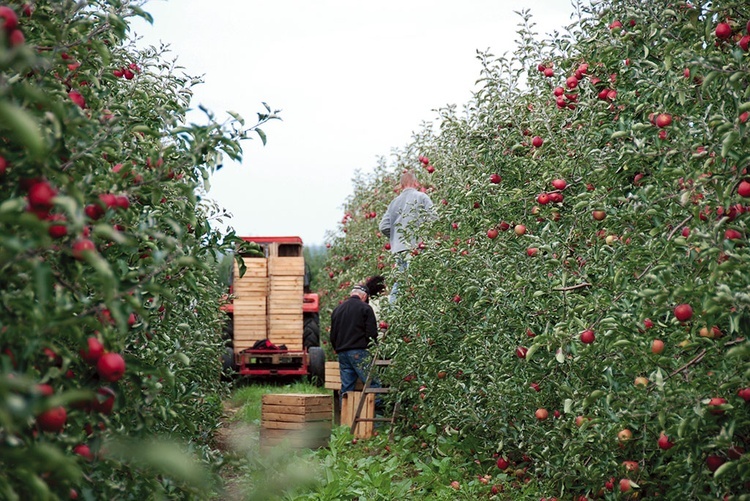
x: 353, y: 79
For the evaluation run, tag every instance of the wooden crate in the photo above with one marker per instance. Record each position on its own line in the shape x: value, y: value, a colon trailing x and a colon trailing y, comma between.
x: 296, y: 419
x: 294, y: 266
x: 250, y: 322
x: 349, y: 403
x: 333, y: 377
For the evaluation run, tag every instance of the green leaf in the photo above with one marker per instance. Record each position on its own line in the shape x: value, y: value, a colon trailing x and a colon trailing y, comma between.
x: 262, y: 135
x: 19, y: 124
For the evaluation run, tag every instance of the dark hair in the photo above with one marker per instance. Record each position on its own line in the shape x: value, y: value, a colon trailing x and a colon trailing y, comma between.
x: 375, y: 285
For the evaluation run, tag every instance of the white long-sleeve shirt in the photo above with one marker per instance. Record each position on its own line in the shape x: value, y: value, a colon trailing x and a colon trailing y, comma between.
x: 405, y: 214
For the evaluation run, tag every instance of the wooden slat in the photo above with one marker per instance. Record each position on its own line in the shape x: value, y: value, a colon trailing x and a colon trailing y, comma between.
x: 286, y: 266
x: 295, y: 398
x: 349, y: 404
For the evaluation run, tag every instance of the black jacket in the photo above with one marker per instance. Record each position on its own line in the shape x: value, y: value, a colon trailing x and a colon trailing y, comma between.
x: 353, y: 325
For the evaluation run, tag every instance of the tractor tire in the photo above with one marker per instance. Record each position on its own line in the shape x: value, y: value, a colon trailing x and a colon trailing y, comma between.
x: 227, y: 361
x: 311, y: 333
x: 317, y: 365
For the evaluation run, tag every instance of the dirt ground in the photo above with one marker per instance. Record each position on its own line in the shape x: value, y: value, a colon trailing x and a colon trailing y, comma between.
x: 234, y: 437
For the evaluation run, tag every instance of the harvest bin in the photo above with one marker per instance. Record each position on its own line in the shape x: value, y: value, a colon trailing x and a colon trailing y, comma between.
x: 296, y: 420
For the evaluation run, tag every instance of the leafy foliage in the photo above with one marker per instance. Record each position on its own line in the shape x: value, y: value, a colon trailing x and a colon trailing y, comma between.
x: 643, y: 111
x: 105, y: 235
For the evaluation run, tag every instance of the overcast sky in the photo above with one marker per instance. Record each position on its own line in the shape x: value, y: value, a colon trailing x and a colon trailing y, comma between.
x: 353, y: 79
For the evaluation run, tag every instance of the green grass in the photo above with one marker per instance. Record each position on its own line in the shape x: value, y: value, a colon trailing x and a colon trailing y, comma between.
x: 416, y: 465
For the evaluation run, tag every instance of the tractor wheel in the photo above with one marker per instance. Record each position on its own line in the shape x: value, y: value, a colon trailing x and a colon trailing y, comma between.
x: 227, y: 362
x: 311, y: 334
x: 317, y: 365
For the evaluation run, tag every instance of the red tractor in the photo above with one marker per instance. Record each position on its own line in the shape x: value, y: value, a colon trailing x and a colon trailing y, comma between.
x: 274, y: 325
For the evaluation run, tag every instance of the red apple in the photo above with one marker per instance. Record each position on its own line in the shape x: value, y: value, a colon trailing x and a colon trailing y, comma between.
x: 625, y: 485
x: 455, y: 485
x: 519, y: 229
x: 714, y: 405
x: 492, y: 233
x: 663, y: 120
x: 104, y: 401
x: 3, y: 165
x: 587, y: 336
x: 549, y: 72
x: 743, y: 189
x: 664, y: 443
x: 541, y: 414
x: 683, y: 312
x: 521, y: 352
x: 503, y: 463
x: 615, y: 24
x: 723, y: 31
x: 744, y: 394
x: 495, y: 178
x: 558, y: 91
x: 713, y: 462
x: 598, y: 215
x: 93, y: 351
x: 84, y: 451
x: 535, y: 387
x: 94, y: 211
x: 456, y: 298
x: 532, y: 251
x: 543, y: 198
x: 732, y: 234
x: 111, y: 367
x: 735, y: 452
x: 57, y: 230
x: 81, y: 247
x: 571, y: 82
x: 41, y: 195
x: 77, y: 98
x: 630, y: 465
x: 648, y: 323
x: 537, y: 141
x: 559, y: 184
x: 52, y: 420
x: 9, y: 17
x: 744, y: 43
x: 657, y: 346
x: 624, y: 435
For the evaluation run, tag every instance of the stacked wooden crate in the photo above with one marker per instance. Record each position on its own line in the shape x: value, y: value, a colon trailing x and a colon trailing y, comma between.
x: 296, y: 420
x: 284, y: 307
x: 349, y: 405
x: 250, y: 302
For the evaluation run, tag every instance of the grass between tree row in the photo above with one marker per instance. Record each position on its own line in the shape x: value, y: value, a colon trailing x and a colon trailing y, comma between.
x: 420, y: 464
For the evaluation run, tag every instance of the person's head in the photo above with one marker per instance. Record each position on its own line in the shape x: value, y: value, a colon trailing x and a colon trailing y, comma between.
x: 375, y: 285
x: 408, y: 180
x: 361, y: 292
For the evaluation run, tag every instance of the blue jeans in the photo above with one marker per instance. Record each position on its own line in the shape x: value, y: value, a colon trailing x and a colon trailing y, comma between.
x: 353, y: 365
x: 402, y: 262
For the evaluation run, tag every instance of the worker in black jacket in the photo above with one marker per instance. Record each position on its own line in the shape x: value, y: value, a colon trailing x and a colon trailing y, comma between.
x: 353, y: 328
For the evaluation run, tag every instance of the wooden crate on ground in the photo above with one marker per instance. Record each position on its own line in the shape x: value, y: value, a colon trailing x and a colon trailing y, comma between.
x: 349, y: 404
x: 297, y: 420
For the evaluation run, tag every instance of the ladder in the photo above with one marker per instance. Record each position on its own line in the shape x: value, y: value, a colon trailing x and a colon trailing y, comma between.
x: 376, y: 363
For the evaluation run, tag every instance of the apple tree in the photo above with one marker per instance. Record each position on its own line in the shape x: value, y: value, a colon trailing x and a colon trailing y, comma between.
x: 110, y: 325
x: 579, y: 314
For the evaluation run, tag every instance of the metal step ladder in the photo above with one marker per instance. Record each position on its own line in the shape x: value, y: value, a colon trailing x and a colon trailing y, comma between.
x: 376, y: 363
